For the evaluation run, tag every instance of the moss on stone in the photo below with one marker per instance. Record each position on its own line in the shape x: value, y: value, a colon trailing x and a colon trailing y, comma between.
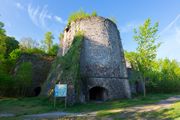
x: 66, y: 69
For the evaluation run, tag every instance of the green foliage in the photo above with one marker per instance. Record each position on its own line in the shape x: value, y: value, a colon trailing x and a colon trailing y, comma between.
x: 48, y: 40
x: 54, y: 50
x: 11, y: 44
x: 7, y: 44
x: 2, y: 30
x: 69, y: 65
x: 164, y: 77
x: 94, y: 13
x: 146, y: 37
x: 23, y: 78
x: 70, y: 61
x: 80, y: 15
x: 15, y: 54
x: 2, y: 47
x: 5, y: 80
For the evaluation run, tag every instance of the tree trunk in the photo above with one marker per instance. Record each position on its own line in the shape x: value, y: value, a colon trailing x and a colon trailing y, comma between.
x: 144, y: 87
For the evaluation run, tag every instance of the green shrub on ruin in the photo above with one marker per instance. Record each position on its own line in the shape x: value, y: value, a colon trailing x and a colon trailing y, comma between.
x: 69, y: 66
x: 80, y: 15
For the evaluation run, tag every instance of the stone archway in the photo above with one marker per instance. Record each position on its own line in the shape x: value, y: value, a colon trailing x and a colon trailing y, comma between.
x: 37, y: 91
x: 98, y: 93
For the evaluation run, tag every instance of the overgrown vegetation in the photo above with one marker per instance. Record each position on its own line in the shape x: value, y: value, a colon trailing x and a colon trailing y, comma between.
x: 69, y: 64
x: 80, y: 15
x: 18, y: 84
x: 159, y: 76
x: 23, y: 79
x: 10, y: 51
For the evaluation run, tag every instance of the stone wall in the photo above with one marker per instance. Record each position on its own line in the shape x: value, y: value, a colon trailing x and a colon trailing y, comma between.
x: 102, y: 59
x: 40, y: 65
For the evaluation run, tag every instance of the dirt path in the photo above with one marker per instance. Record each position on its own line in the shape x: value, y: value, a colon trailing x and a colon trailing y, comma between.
x: 123, y: 113
x: 131, y: 112
x: 128, y: 112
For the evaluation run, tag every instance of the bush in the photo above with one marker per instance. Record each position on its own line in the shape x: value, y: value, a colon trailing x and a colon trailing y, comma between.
x: 54, y: 50
x: 6, y: 81
x: 15, y: 54
x: 165, y: 77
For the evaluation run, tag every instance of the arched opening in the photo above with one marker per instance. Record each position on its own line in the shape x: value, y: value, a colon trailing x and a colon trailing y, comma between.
x: 37, y: 91
x: 97, y: 94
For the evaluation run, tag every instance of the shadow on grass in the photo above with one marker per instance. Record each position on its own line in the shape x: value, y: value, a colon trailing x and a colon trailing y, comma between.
x: 123, y: 103
x: 172, y: 113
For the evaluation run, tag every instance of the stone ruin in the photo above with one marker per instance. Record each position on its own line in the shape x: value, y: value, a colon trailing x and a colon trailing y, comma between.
x: 101, y: 60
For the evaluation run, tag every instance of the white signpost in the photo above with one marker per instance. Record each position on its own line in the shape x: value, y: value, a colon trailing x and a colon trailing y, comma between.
x: 60, y: 91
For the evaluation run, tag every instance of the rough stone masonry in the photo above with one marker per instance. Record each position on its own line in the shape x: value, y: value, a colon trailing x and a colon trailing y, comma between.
x: 102, y: 59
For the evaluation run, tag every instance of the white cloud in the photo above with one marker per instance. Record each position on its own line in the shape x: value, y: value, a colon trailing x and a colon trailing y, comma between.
x: 42, y: 18
x: 59, y: 19
x: 39, y: 16
x: 170, y: 38
x: 19, y: 6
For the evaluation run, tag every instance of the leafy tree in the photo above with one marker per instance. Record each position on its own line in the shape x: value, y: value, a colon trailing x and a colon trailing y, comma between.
x: 48, y: 40
x: 2, y: 48
x: 2, y: 41
x: 2, y: 30
x: 11, y: 44
x: 146, y: 36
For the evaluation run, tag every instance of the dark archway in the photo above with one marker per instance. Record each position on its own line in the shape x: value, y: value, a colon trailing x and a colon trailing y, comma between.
x: 97, y: 94
x: 37, y: 91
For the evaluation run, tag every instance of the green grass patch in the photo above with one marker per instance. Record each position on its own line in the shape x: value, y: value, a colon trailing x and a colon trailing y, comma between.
x: 24, y: 106
x: 103, y: 107
x: 80, y: 15
x: 35, y: 105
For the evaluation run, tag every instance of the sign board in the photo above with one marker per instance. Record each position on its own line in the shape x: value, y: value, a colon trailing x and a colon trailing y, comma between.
x: 60, y: 90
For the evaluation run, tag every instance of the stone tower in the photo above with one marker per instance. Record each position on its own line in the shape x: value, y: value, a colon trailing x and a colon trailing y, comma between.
x: 102, y: 59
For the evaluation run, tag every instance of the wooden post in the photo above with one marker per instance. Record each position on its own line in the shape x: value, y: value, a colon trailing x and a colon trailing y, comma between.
x: 54, y: 101
x: 65, y: 101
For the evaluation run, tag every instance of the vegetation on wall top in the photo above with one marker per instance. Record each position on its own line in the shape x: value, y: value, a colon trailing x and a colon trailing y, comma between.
x: 80, y: 15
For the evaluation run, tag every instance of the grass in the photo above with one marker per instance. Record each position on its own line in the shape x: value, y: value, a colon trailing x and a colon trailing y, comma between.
x: 80, y: 15
x: 170, y: 113
x: 34, y: 105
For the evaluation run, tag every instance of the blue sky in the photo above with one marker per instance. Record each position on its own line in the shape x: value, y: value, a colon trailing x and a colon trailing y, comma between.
x: 32, y: 18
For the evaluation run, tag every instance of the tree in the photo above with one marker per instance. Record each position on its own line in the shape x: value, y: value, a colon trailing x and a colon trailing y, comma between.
x: 11, y: 44
x: 2, y: 30
x: 2, y: 41
x: 146, y: 36
x: 48, y: 40
x: 28, y: 43
x: 2, y: 47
